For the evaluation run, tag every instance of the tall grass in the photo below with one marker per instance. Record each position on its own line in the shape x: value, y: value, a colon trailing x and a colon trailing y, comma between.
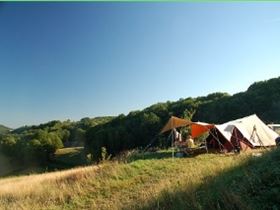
x: 254, y: 183
x: 141, y: 184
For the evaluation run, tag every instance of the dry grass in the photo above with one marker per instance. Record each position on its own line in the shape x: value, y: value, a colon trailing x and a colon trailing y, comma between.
x: 41, y: 190
x: 114, y: 185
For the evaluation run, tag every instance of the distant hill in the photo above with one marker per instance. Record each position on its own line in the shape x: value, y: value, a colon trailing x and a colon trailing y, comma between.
x: 4, y: 129
x: 53, y: 125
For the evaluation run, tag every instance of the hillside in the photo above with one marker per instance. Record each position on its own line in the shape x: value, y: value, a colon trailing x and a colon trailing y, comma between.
x: 207, y: 181
x: 138, y: 128
x: 4, y: 129
x: 262, y: 98
x: 36, y: 145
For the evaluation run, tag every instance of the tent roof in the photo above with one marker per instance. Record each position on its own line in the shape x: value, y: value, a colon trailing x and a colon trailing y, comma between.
x: 198, y: 128
x: 226, y: 129
x: 175, y: 122
x: 263, y: 135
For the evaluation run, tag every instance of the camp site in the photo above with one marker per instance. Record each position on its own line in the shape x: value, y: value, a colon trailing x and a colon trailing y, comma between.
x: 144, y: 105
x: 242, y: 134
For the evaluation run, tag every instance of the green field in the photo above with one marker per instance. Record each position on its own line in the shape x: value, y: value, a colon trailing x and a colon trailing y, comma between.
x: 155, y: 181
x: 63, y: 159
x: 67, y: 158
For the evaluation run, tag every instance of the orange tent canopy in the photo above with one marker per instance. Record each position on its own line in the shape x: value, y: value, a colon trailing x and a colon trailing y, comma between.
x: 198, y: 128
x: 175, y: 122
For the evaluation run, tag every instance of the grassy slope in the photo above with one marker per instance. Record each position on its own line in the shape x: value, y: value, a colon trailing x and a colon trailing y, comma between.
x: 251, y: 184
x: 68, y: 158
x: 4, y: 129
x: 204, y: 182
x: 5, y: 165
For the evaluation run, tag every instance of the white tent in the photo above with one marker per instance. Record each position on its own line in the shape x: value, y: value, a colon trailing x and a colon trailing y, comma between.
x: 255, y: 131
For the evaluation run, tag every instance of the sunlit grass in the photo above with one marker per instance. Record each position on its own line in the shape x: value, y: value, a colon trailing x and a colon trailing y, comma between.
x: 142, y: 183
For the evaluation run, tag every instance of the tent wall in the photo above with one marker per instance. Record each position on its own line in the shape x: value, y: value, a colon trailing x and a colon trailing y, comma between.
x: 216, y: 140
x: 256, y: 131
x: 238, y: 139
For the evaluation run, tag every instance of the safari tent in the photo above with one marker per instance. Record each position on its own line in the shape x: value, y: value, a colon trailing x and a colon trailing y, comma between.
x: 245, y: 133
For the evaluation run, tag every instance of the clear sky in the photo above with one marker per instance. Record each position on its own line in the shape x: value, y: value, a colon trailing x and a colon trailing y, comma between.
x: 73, y: 60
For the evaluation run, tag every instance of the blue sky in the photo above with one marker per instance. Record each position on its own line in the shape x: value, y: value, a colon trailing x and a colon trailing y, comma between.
x: 73, y: 60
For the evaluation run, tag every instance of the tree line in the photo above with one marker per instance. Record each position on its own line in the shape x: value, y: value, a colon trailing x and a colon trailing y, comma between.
x: 37, y: 144
x: 139, y: 128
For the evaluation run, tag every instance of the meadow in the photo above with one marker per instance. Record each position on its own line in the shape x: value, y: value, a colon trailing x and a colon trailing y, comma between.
x: 153, y: 181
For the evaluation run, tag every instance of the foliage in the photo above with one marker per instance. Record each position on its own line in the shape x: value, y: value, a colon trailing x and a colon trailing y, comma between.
x: 262, y: 98
x: 37, y: 144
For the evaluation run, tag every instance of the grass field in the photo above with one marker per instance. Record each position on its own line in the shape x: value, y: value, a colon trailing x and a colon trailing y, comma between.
x: 65, y: 158
x: 209, y: 181
x: 68, y: 158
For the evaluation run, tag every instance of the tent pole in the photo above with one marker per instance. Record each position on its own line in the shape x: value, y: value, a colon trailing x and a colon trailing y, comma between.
x: 239, y: 139
x: 218, y: 140
x: 237, y: 142
x: 220, y: 144
x: 205, y: 142
x: 172, y: 143
x: 215, y: 137
x: 260, y: 141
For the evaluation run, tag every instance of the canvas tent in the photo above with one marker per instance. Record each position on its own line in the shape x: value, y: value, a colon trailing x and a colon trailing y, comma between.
x: 246, y: 132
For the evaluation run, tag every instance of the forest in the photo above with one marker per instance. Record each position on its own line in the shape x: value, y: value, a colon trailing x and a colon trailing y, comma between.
x: 31, y: 144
